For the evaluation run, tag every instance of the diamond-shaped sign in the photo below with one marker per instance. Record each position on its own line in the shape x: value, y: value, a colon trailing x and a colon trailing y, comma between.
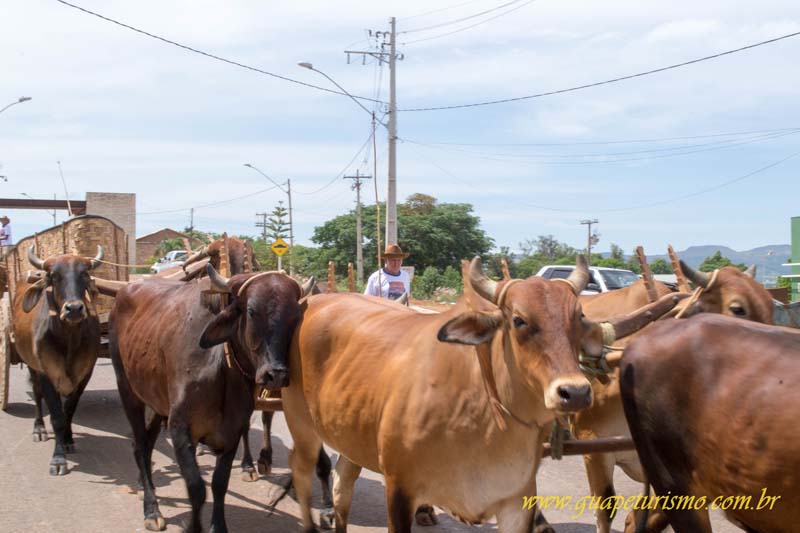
x: 279, y: 247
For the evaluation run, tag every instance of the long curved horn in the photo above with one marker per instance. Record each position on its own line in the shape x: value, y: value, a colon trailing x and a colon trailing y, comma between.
x: 202, y: 253
x: 99, y: 257
x: 633, y: 322
x: 308, y: 286
x: 485, y: 287
x: 580, y: 276
x: 34, y: 260
x: 751, y: 271
x: 701, y: 279
x: 219, y: 282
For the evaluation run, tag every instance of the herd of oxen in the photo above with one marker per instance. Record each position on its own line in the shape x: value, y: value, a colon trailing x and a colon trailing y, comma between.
x: 453, y: 407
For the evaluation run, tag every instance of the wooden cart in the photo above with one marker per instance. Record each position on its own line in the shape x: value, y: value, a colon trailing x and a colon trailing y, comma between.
x: 80, y: 236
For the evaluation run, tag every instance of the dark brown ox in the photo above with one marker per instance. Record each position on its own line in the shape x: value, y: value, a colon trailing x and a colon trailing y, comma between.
x: 403, y: 393
x: 57, y: 334
x: 711, y: 406
x: 155, y: 328
x: 733, y: 292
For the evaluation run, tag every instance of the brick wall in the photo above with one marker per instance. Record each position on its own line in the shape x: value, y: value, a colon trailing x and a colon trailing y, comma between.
x: 118, y: 207
x: 147, y: 244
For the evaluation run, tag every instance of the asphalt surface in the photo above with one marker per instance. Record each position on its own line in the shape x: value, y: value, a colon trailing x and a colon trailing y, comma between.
x: 100, y: 492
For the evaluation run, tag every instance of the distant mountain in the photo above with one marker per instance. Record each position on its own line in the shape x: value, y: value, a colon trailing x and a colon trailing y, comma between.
x: 768, y: 259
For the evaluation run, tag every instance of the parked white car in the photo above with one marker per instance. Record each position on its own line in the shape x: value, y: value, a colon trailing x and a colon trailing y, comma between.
x: 603, y: 279
x: 173, y: 258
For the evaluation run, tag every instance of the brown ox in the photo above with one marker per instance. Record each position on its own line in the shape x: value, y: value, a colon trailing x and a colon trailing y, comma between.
x: 710, y: 403
x: 370, y: 378
x: 165, y: 345
x: 732, y: 292
x: 58, y: 337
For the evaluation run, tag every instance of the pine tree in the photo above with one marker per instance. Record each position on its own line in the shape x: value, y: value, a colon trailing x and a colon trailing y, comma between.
x: 277, y: 224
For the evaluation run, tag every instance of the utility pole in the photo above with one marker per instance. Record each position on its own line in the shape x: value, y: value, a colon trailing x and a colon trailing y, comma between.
x: 263, y: 225
x: 291, y: 228
x: 389, y: 58
x: 588, y: 223
x: 191, y: 225
x: 359, y: 253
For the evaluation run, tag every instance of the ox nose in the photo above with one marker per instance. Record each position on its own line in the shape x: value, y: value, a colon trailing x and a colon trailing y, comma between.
x: 73, y: 311
x: 570, y: 396
x: 273, y: 377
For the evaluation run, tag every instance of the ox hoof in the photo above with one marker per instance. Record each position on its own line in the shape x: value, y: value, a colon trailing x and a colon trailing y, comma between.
x: 264, y: 469
x: 426, y: 516
x: 326, y: 518
x: 39, y: 435
x: 69, y: 448
x: 156, y: 523
x: 249, y: 475
x: 58, y: 466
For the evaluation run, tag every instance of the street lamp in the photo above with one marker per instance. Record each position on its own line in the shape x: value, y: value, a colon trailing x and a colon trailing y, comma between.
x: 19, y: 101
x: 288, y: 192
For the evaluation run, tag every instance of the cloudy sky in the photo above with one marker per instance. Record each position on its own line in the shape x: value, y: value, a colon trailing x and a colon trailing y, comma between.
x: 702, y: 154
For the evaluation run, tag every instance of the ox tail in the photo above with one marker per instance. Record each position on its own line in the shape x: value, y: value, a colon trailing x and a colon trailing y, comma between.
x: 641, y: 518
x: 285, y: 489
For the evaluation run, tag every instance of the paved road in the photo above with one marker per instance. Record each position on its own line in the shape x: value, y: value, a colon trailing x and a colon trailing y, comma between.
x: 99, y: 493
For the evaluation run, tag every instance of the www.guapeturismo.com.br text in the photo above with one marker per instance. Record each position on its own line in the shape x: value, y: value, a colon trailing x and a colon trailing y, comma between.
x: 667, y: 502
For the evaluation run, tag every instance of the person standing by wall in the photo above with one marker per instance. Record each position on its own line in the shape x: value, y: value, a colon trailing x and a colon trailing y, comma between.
x: 6, y: 238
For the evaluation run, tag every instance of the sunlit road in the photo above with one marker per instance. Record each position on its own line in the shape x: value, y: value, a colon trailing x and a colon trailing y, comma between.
x: 99, y: 493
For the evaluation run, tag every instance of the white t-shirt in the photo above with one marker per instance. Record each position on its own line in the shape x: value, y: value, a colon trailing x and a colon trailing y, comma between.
x: 5, y: 231
x: 392, y: 286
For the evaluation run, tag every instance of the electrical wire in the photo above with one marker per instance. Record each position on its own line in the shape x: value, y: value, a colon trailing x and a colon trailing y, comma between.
x: 212, y: 56
x: 212, y: 204
x: 462, y: 19
x: 605, y: 82
x: 438, y: 10
x: 515, y: 199
x: 518, y: 156
x: 470, y: 26
x: 628, y: 141
x: 339, y: 175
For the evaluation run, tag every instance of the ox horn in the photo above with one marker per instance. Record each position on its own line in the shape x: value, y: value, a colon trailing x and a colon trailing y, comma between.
x: 485, y: 287
x: 98, y: 258
x: 202, y: 253
x: 34, y: 260
x: 308, y: 286
x: 580, y: 276
x: 633, y: 322
x: 701, y: 279
x: 751, y: 271
x: 218, y: 281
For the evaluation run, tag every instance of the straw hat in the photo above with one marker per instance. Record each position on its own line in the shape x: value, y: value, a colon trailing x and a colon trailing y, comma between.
x: 5, y: 219
x: 393, y: 251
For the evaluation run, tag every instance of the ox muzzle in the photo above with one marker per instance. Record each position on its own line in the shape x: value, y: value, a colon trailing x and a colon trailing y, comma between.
x: 272, y: 377
x: 73, y: 312
x: 568, y: 394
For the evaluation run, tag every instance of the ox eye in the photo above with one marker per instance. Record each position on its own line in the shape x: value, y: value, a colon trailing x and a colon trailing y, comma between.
x: 251, y: 312
x: 737, y: 310
x: 519, y: 323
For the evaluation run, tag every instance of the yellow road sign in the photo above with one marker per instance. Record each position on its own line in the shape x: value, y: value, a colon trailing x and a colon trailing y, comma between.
x: 279, y: 247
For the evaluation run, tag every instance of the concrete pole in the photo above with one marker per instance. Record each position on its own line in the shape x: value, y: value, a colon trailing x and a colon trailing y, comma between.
x: 291, y: 228
x: 391, y: 197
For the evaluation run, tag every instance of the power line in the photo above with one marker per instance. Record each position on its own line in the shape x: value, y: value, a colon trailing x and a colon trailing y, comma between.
x: 515, y: 199
x: 212, y: 204
x: 467, y: 28
x: 606, y: 82
x: 212, y: 56
x: 518, y: 159
x: 336, y: 178
x: 431, y: 12
x: 628, y: 141
x: 462, y: 19
x: 677, y: 150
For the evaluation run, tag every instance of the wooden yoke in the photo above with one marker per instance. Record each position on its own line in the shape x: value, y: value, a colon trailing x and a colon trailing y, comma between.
x: 647, y: 275
x: 225, y: 271
x: 683, y: 285
x: 504, y: 266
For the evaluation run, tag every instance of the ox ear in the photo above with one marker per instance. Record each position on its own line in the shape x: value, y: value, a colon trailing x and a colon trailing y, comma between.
x: 221, y: 328
x: 32, y: 295
x: 471, y: 328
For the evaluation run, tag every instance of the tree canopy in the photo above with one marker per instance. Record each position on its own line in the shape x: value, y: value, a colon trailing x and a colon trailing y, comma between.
x: 713, y: 262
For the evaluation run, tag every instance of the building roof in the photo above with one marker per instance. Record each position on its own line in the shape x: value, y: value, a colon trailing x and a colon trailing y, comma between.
x: 146, y: 238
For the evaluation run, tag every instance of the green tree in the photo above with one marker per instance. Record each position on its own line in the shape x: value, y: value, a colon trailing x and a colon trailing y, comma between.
x: 277, y: 223
x: 716, y: 261
x: 617, y: 253
x: 784, y: 282
x: 435, y: 234
x: 660, y: 266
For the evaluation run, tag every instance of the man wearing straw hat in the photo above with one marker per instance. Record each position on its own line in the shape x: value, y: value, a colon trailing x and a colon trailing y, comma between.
x: 390, y: 281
